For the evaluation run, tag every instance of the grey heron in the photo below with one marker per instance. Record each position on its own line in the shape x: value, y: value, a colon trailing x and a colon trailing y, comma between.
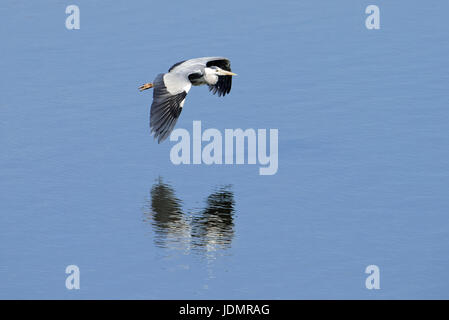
x: 171, y: 88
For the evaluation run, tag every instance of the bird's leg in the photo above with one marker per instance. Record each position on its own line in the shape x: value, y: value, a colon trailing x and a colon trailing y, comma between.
x: 146, y: 86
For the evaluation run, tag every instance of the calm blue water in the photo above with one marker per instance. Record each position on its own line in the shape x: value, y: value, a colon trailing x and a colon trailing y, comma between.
x: 363, y: 152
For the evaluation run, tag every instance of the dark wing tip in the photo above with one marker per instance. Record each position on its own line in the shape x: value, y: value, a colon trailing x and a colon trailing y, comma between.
x: 164, y: 114
x: 223, y: 86
x: 224, y: 83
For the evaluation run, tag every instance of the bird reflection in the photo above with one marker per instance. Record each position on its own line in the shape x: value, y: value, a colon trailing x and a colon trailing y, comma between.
x: 207, y: 229
x: 214, y: 227
x: 166, y: 217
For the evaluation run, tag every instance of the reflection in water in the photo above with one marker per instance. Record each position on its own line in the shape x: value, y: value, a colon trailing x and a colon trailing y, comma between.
x: 215, y: 226
x: 167, y: 218
x: 209, y: 229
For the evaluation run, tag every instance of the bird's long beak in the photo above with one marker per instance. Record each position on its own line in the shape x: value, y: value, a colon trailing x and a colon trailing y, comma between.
x: 227, y: 73
x: 146, y: 86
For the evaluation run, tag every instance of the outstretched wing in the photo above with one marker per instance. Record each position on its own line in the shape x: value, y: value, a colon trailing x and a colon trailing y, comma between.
x: 224, y: 83
x: 176, y: 64
x: 169, y: 95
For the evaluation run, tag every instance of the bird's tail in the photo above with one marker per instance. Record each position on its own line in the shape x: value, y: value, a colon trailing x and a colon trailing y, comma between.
x: 146, y: 86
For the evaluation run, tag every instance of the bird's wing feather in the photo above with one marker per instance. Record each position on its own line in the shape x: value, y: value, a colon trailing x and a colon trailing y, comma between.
x: 193, y: 64
x: 176, y: 64
x: 224, y: 83
x: 170, y: 91
x: 187, y: 67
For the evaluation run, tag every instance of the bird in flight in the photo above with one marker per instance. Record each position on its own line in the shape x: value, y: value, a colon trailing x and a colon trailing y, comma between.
x: 171, y: 88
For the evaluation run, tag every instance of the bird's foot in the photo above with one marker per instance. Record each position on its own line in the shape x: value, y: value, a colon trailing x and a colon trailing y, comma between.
x: 146, y: 86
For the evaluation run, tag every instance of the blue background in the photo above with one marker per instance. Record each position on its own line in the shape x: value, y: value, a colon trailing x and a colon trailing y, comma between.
x: 363, y: 146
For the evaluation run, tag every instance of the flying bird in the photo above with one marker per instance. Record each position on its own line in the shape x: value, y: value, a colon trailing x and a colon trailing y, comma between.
x: 171, y: 88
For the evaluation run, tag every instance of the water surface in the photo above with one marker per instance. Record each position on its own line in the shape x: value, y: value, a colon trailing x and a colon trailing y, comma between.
x: 363, y: 147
